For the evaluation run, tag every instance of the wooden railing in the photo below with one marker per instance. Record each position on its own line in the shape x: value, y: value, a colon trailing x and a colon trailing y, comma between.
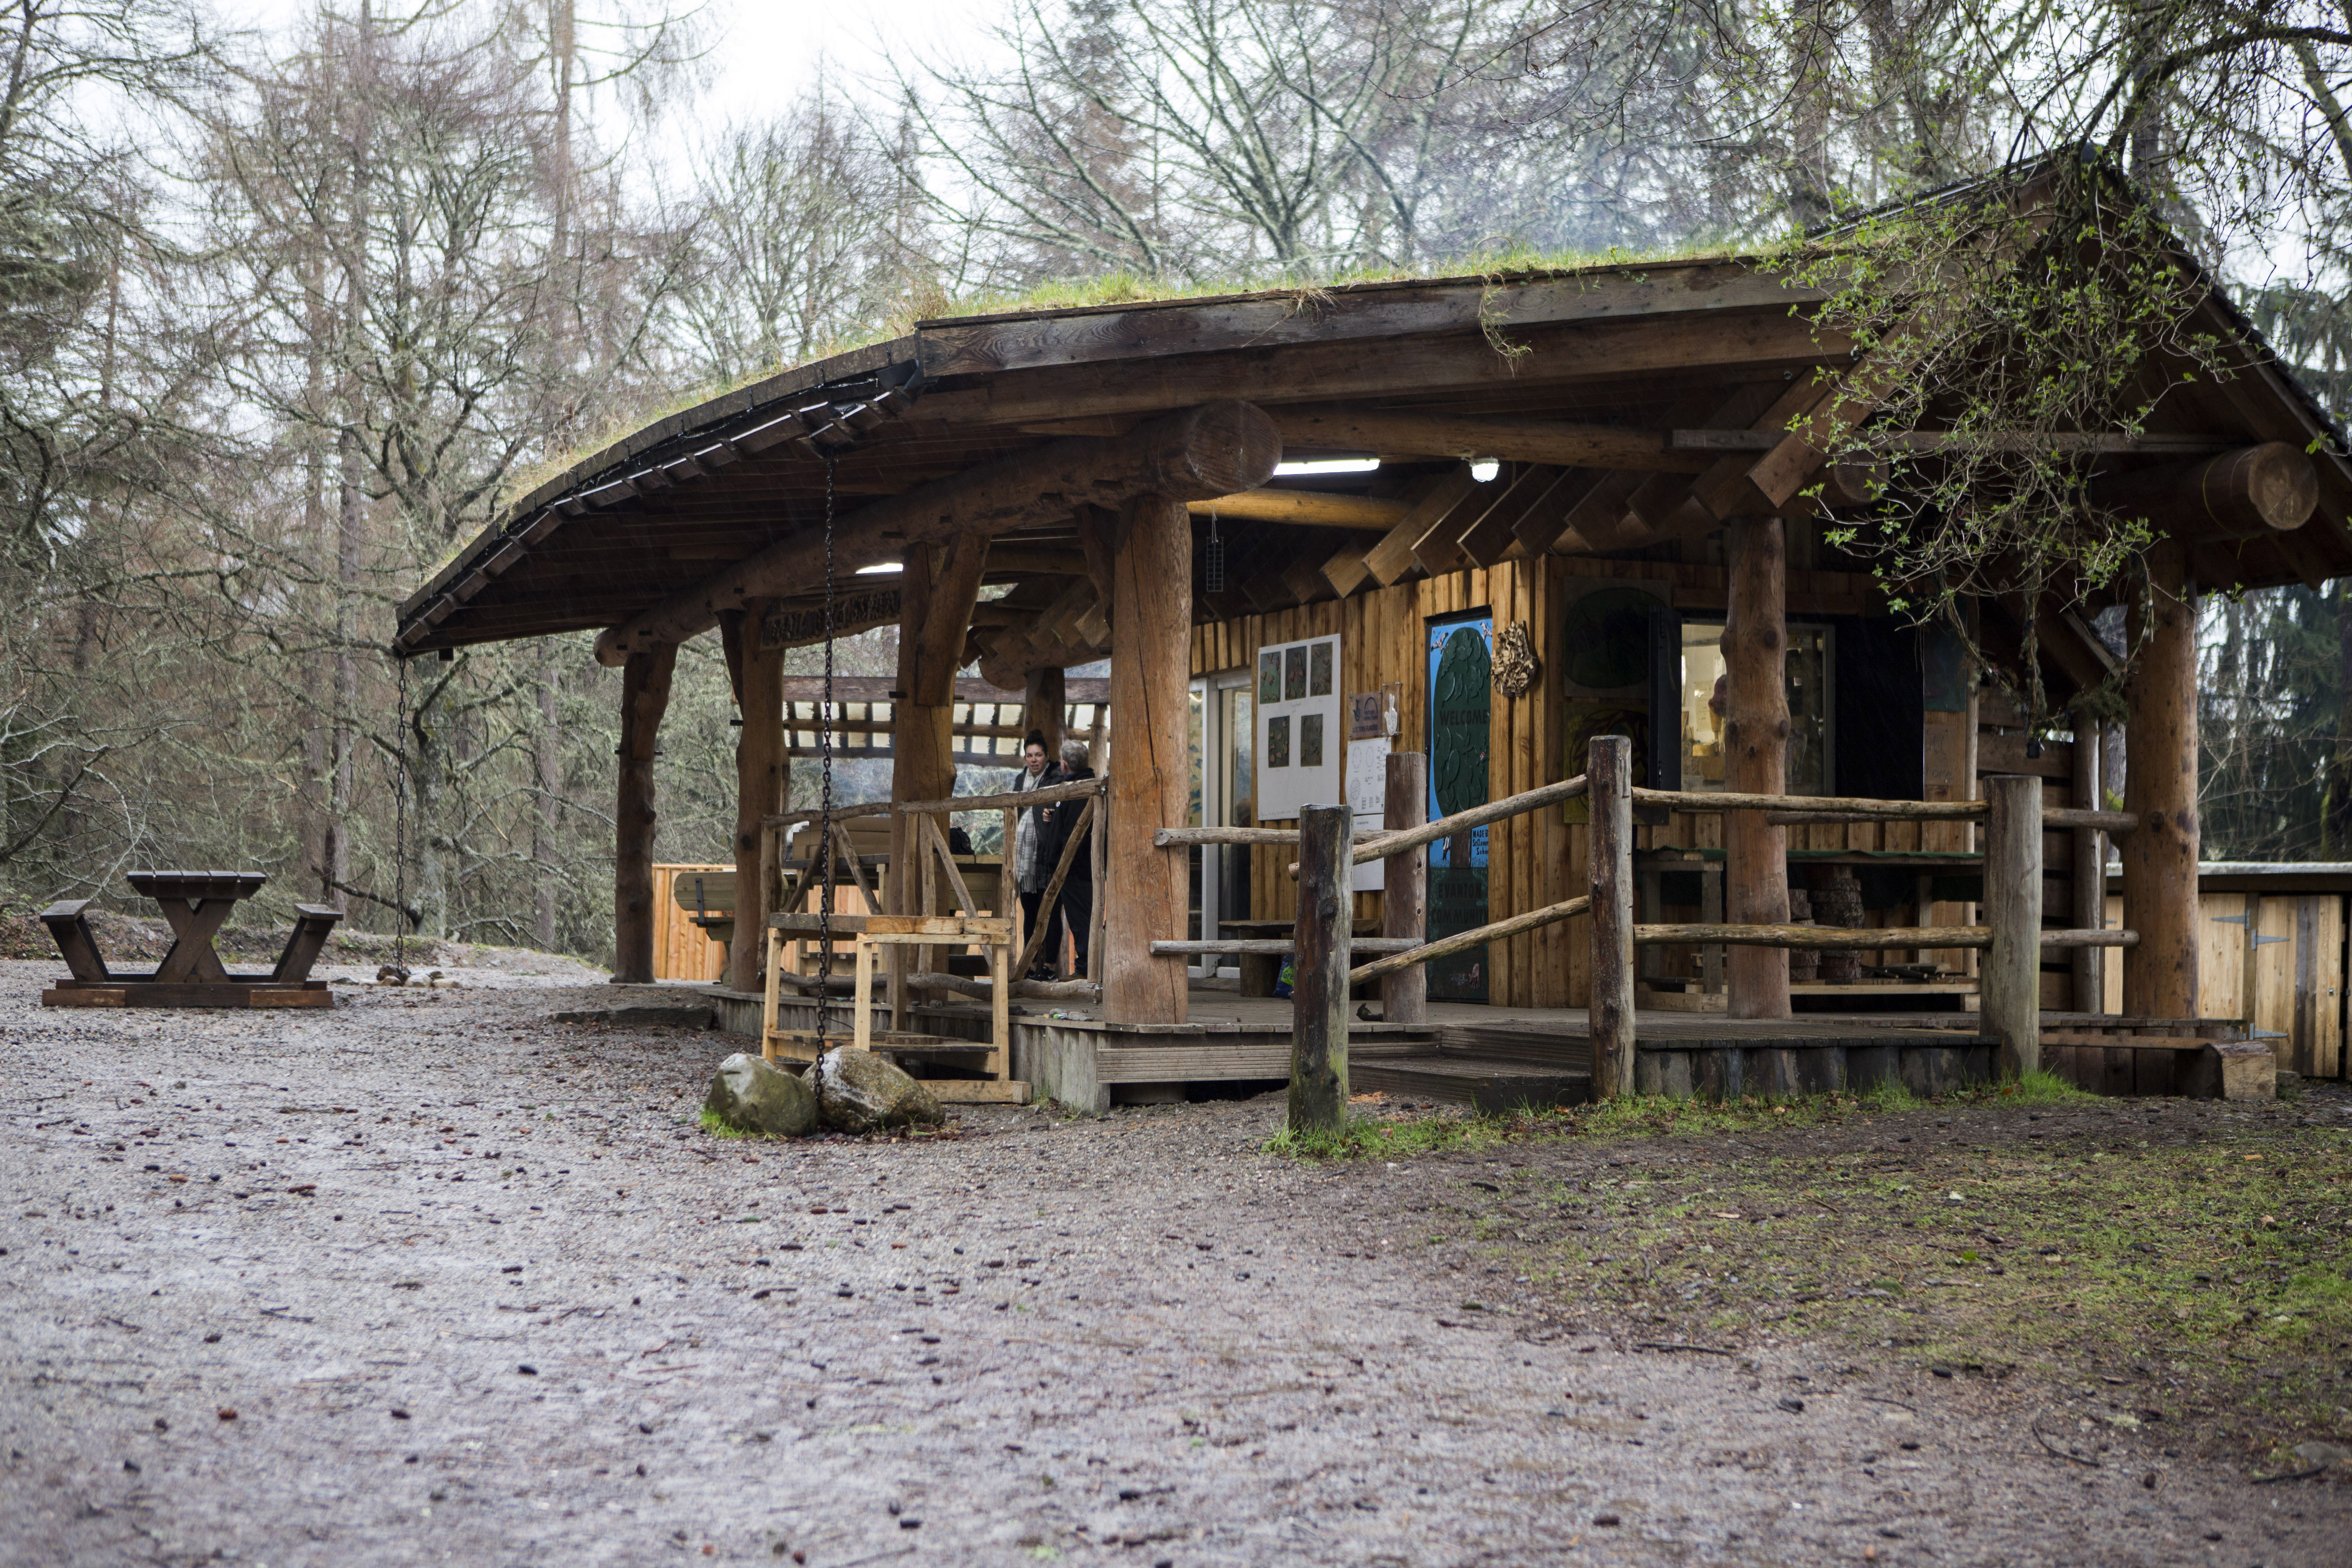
x: 937, y: 878
x: 2011, y: 940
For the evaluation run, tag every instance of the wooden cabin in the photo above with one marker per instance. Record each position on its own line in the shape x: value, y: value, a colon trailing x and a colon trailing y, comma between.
x: 1481, y: 518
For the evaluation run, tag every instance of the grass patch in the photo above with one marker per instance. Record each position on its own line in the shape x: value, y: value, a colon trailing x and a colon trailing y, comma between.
x: 2182, y: 1271
x: 717, y: 1128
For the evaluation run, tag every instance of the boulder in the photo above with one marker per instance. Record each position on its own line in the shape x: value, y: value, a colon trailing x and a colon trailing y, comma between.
x: 750, y: 1096
x: 858, y: 1091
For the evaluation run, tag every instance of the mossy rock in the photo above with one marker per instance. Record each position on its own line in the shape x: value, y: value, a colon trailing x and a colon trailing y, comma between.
x: 859, y: 1091
x: 749, y: 1096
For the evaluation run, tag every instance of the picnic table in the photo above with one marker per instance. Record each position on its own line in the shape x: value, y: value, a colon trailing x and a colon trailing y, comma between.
x: 197, y: 904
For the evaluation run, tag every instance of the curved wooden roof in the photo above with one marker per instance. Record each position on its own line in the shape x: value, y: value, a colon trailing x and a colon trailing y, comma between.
x: 1625, y: 366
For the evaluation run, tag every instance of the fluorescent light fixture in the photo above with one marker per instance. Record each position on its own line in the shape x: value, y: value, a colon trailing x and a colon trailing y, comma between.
x: 879, y: 567
x: 1485, y: 468
x: 1327, y: 466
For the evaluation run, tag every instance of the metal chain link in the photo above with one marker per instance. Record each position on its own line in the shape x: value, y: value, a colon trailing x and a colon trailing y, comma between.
x: 824, y: 798
x: 400, y: 837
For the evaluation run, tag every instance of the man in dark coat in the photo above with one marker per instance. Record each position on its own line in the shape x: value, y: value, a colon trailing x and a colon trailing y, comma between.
x: 1075, y: 907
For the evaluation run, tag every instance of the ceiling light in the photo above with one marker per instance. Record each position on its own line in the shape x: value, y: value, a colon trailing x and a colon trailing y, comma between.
x: 1485, y: 468
x: 880, y: 567
x: 1327, y: 466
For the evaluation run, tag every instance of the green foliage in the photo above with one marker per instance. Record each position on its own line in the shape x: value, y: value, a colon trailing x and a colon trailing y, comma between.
x: 2039, y: 304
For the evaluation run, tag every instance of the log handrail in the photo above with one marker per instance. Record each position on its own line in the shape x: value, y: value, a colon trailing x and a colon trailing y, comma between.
x: 1077, y: 789
x: 1381, y: 846
x: 1863, y: 937
x: 1445, y: 946
x: 1277, y: 947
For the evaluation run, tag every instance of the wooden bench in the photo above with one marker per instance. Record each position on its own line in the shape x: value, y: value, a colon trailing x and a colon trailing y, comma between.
x: 707, y: 899
x: 196, y: 903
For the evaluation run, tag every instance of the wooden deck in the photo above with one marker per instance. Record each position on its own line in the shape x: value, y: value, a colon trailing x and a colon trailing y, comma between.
x: 1491, y: 1058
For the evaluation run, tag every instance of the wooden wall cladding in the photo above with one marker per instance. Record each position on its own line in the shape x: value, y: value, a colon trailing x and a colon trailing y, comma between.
x: 1537, y: 859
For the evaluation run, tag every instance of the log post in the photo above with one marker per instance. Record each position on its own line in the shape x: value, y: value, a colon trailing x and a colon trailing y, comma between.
x: 1404, y: 906
x: 2090, y: 869
x: 1045, y: 705
x: 758, y: 770
x: 644, y: 696
x: 940, y: 584
x: 1609, y: 775
x: 2013, y: 885
x: 1755, y: 759
x: 1318, y: 1036
x: 2159, y: 857
x: 1152, y: 623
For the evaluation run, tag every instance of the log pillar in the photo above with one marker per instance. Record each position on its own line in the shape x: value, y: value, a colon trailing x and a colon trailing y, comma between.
x: 1609, y: 790
x: 759, y: 778
x: 2159, y: 857
x: 1318, y: 1039
x: 1046, y: 705
x: 2013, y: 885
x: 1756, y: 759
x: 1150, y: 664
x: 941, y: 583
x: 1405, y: 905
x: 644, y: 696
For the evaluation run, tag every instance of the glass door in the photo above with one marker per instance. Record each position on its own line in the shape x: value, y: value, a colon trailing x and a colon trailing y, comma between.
x: 1223, y: 781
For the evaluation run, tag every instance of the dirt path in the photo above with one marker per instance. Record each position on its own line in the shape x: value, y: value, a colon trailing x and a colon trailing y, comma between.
x: 1135, y: 1339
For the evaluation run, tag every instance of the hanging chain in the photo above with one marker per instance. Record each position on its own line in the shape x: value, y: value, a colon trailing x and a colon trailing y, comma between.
x: 400, y: 837
x: 825, y: 797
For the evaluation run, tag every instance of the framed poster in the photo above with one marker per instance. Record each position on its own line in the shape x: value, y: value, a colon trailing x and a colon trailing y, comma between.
x: 1300, y: 733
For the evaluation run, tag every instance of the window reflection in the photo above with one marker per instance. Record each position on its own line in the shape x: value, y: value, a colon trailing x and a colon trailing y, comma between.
x: 1812, y: 704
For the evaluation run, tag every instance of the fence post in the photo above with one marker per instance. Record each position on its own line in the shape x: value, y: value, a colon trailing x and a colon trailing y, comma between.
x: 1609, y: 775
x: 2012, y: 972
x: 1404, y: 903
x: 1318, y: 1039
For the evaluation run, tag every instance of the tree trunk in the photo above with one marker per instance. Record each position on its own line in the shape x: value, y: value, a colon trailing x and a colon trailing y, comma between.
x: 2336, y: 799
x: 759, y: 777
x: 1045, y: 703
x: 1150, y: 664
x: 1756, y: 759
x: 644, y: 695
x: 2159, y: 857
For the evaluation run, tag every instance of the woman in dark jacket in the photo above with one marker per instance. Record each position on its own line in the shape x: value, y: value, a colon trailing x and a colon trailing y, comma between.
x: 1075, y: 907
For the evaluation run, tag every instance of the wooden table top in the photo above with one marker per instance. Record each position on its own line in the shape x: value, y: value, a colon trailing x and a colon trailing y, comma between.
x: 196, y: 885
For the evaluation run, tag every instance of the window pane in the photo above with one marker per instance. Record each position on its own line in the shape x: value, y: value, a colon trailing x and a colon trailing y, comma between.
x: 1812, y: 706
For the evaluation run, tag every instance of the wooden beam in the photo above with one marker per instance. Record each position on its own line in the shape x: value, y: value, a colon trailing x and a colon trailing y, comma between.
x: 2159, y: 860
x: 1581, y: 353
x: 1439, y: 548
x: 1425, y: 434
x: 1392, y: 557
x: 758, y: 792
x: 1044, y: 706
x: 1304, y: 509
x: 645, y: 696
x: 2253, y: 493
x: 1211, y: 450
x: 1491, y: 533
x: 1145, y: 895
x: 1347, y: 570
x: 1756, y: 759
x: 1151, y: 330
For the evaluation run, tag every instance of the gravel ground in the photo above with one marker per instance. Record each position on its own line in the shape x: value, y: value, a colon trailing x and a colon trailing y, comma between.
x: 239, y: 1326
